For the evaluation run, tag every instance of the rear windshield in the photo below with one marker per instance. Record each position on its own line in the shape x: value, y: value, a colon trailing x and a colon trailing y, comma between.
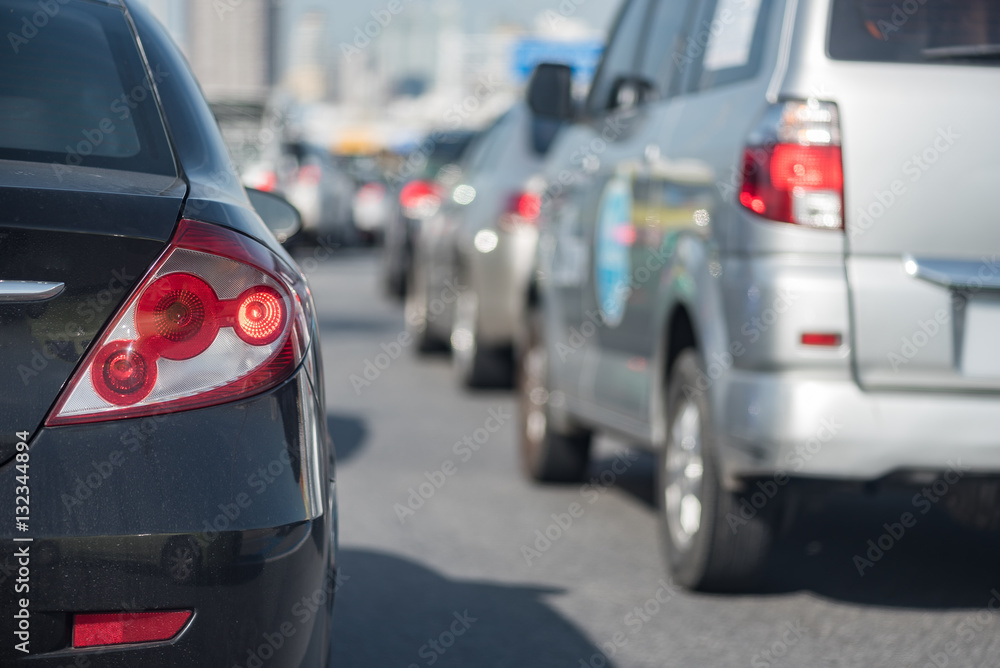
x: 916, y: 31
x: 73, y: 90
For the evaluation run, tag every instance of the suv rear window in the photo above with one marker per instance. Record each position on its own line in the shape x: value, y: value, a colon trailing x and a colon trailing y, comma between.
x: 916, y: 31
x: 73, y: 90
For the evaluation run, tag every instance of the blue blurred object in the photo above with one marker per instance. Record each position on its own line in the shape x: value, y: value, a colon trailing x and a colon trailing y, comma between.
x: 581, y: 55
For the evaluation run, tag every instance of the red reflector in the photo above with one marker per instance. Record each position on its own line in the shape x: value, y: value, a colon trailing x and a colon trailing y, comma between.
x: 123, y: 628
x: 828, y: 340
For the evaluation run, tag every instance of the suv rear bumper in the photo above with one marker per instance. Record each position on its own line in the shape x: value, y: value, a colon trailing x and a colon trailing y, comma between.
x: 828, y: 427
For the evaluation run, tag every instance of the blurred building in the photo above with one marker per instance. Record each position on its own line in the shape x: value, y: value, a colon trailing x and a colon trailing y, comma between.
x: 232, y: 45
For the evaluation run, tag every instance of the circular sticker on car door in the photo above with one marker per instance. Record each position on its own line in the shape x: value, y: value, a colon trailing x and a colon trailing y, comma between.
x: 612, y: 256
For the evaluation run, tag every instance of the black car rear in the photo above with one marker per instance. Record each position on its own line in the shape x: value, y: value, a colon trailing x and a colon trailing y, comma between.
x: 166, y: 474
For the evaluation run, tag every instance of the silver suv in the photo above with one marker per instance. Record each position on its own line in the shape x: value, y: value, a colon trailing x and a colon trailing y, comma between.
x: 769, y: 251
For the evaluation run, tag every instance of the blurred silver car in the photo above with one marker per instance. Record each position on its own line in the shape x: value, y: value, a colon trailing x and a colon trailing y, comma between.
x: 772, y: 256
x: 480, y: 248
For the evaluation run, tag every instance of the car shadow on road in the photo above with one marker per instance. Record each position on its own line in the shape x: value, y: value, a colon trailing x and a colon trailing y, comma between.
x: 349, y: 434
x: 935, y: 564
x: 392, y: 611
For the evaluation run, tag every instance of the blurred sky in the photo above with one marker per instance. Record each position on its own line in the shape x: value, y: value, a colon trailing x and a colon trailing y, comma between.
x: 478, y: 15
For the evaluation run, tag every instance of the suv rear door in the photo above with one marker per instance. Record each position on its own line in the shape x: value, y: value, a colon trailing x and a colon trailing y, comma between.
x: 918, y: 115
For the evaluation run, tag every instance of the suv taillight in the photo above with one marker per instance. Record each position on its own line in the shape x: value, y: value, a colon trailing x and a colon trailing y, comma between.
x: 217, y: 318
x: 792, y: 166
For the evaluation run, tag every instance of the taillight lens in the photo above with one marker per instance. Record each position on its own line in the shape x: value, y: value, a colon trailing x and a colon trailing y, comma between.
x: 522, y: 208
x: 420, y: 199
x: 217, y: 318
x: 793, y: 167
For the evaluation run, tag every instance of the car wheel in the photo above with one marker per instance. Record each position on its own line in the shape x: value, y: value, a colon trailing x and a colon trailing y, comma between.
x: 419, y: 317
x: 476, y: 366
x: 547, y: 454
x: 710, y: 543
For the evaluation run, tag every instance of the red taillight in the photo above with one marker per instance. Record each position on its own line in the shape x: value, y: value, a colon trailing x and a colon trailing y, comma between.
x: 796, y: 175
x: 217, y: 318
x: 522, y: 208
x: 124, y: 372
x: 125, y: 628
x: 420, y: 199
x: 260, y: 316
x: 178, y: 316
x: 310, y: 174
x: 266, y: 181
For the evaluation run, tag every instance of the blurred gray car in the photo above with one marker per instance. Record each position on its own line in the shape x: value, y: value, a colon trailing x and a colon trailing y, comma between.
x: 769, y: 252
x: 476, y: 254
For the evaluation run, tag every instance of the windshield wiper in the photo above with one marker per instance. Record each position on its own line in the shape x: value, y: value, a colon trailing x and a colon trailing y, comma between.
x: 963, y: 51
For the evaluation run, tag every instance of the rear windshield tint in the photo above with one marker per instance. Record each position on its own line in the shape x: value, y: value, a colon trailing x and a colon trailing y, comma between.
x: 73, y: 89
x: 916, y: 31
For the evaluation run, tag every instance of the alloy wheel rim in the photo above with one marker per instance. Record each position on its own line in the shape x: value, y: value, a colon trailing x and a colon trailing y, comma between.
x: 684, y: 471
x: 534, y: 395
x: 463, y: 333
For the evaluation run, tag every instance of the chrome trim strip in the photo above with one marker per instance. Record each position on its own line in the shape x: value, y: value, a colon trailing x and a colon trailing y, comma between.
x: 971, y: 275
x: 21, y: 292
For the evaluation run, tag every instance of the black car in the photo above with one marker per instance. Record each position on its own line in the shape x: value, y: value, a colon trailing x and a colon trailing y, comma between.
x: 165, y: 470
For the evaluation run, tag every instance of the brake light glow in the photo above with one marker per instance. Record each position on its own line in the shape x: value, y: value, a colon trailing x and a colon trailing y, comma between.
x: 420, y: 199
x: 124, y: 628
x: 523, y: 208
x: 217, y: 318
x: 793, y: 166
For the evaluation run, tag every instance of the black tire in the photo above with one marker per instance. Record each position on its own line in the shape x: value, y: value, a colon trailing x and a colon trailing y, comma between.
x: 418, y: 317
x: 729, y: 547
x: 547, y: 455
x: 477, y: 366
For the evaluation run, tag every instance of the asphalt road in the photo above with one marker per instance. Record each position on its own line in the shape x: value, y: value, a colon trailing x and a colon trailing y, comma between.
x: 449, y: 582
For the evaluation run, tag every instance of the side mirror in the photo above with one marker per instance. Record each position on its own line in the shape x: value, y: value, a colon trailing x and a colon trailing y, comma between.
x: 283, y: 219
x: 550, y: 92
x: 630, y: 92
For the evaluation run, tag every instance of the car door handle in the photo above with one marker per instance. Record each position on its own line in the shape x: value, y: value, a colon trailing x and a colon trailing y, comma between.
x: 24, y: 292
x: 954, y: 274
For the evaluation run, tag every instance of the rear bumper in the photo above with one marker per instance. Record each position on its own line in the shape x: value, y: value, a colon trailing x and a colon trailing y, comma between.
x: 815, y: 426
x: 263, y: 593
x: 227, y: 511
